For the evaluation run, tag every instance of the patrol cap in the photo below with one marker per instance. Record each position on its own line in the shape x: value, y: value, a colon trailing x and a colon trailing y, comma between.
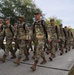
x: 8, y: 18
x: 51, y: 20
x: 37, y: 13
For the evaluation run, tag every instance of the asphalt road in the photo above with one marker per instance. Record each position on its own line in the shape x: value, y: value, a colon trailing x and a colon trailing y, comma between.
x: 61, y: 65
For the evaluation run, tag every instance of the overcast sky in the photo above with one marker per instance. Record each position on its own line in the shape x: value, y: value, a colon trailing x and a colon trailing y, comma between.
x: 62, y: 9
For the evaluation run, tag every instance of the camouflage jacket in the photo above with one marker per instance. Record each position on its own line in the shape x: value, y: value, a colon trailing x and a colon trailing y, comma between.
x: 9, y: 31
x: 39, y: 30
x: 20, y: 32
x: 52, y: 32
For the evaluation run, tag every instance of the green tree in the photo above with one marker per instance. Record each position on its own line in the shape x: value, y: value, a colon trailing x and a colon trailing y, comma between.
x: 14, y: 8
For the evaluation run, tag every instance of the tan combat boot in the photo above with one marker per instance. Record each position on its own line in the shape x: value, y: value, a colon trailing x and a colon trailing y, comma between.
x: 34, y: 66
x: 44, y: 61
x: 17, y: 61
x: 4, y: 58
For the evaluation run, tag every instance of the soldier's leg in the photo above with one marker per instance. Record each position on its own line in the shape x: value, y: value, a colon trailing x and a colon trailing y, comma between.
x: 48, y: 48
x: 39, y: 53
x: 7, y: 49
x: 34, y: 52
x: 53, y: 47
x: 21, y: 52
x: 66, y: 45
x: 30, y: 45
x: 36, y: 56
x: 26, y: 51
x: 61, y: 47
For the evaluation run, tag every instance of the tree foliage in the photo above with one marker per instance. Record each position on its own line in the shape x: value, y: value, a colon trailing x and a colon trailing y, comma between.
x: 14, y: 8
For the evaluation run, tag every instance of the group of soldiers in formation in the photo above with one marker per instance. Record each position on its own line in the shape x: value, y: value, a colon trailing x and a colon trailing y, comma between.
x: 38, y: 37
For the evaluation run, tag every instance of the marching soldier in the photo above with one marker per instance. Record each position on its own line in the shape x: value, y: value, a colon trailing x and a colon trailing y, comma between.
x: 70, y: 37
x: 39, y: 34
x: 66, y: 39
x: 21, y: 35
x: 9, y: 33
x: 61, y: 39
x: 52, y: 39
x: 2, y: 35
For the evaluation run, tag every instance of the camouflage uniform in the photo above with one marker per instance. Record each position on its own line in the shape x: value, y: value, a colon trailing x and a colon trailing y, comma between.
x: 39, y: 40
x: 66, y: 39
x: 21, y: 36
x: 52, y: 39
x: 9, y: 39
x: 61, y: 39
x: 39, y: 35
x: 69, y: 39
x: 8, y: 46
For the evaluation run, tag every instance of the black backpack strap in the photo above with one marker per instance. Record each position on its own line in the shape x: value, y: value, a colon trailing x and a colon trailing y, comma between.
x: 57, y: 32
x: 44, y: 28
x: 24, y: 26
x: 11, y: 30
x: 34, y: 27
x: 71, y: 34
x: 56, y: 28
x: 64, y: 32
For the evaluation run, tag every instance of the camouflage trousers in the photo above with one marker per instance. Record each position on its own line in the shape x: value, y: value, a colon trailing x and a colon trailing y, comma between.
x: 8, y: 47
x: 61, y: 44
x: 39, y: 49
x: 69, y: 43
x: 52, y: 46
x: 22, y: 48
x: 66, y: 44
